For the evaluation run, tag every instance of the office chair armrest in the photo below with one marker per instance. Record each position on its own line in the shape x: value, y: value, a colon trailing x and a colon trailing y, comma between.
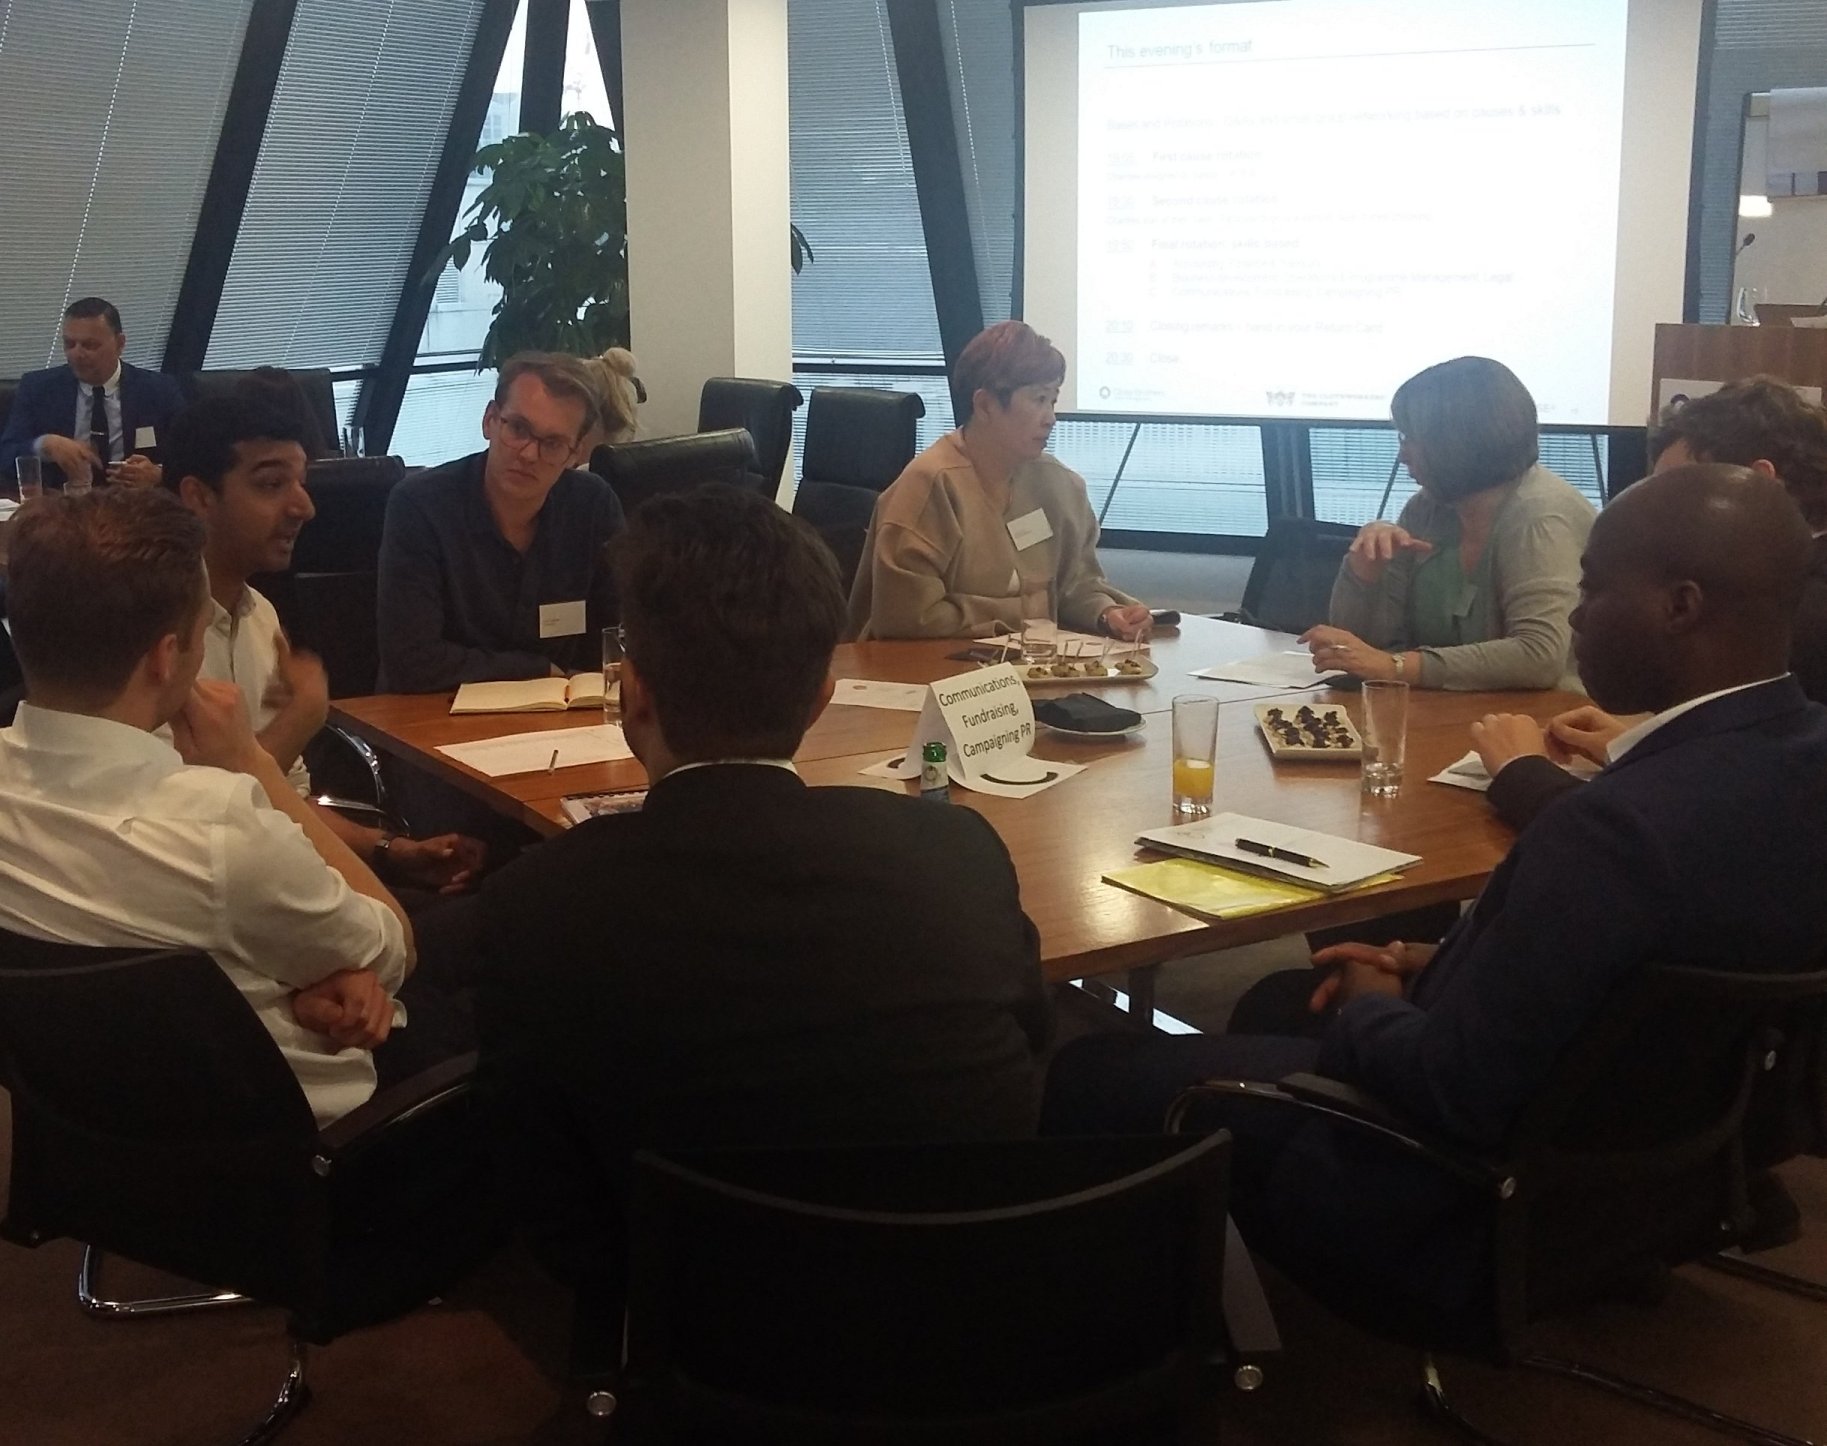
x: 355, y: 808
x: 392, y: 1110
x: 1349, y: 1105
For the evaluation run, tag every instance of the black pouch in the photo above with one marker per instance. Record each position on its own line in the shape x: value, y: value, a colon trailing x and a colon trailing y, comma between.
x: 1083, y: 713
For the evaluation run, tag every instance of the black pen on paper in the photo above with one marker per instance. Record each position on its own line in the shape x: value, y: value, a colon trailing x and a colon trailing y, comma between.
x: 554, y: 763
x: 1287, y: 856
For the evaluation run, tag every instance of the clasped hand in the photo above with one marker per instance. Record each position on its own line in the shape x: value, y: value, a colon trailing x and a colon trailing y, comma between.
x: 1360, y: 969
x: 1583, y: 732
x: 350, y: 1006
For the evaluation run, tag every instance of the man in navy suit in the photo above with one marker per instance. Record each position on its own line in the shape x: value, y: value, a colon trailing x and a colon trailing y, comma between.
x: 1703, y: 841
x: 96, y: 413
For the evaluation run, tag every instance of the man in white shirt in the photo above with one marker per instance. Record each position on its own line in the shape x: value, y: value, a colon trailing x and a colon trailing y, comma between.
x: 239, y: 464
x: 111, y: 837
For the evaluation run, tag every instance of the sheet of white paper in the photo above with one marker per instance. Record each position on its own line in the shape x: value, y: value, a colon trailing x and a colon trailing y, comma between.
x: 1292, y: 669
x: 865, y: 693
x: 532, y: 752
x: 1468, y: 772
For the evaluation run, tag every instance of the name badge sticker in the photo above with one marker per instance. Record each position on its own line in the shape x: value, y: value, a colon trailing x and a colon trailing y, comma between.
x: 1024, y: 532
x: 561, y: 619
x: 145, y: 437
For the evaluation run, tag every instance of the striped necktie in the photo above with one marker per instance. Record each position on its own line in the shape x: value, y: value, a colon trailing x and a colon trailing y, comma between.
x: 98, y: 431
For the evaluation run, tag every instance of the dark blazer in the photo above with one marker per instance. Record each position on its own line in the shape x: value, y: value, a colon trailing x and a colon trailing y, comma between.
x: 457, y: 604
x: 1705, y: 844
x: 749, y: 961
x: 45, y: 405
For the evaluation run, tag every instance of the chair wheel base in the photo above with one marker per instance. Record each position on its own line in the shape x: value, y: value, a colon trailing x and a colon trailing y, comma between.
x: 294, y: 1395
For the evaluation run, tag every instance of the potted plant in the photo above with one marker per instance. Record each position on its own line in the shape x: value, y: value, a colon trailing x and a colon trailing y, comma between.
x: 554, y: 217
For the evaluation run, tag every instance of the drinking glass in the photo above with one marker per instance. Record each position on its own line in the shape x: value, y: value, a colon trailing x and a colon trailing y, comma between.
x: 1744, y: 310
x: 1195, y: 756
x: 78, y: 482
x: 612, y: 672
x: 1039, y: 640
x: 30, y: 472
x: 1385, y: 737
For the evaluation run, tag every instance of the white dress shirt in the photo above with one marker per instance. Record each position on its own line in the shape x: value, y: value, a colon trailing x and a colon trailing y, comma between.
x: 242, y: 647
x: 108, y: 838
x: 111, y: 403
x: 1634, y: 735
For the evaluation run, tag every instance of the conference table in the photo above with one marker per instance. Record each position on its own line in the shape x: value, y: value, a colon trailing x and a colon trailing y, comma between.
x: 1065, y: 838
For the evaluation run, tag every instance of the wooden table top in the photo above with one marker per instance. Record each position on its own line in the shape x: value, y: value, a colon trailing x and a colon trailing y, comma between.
x: 1065, y: 839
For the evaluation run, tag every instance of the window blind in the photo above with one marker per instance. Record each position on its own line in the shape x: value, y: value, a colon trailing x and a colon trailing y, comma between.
x: 357, y: 128
x: 868, y: 295
x: 979, y: 40
x: 111, y: 110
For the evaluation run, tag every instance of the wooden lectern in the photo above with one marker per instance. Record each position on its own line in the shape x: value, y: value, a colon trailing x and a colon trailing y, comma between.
x: 1797, y: 355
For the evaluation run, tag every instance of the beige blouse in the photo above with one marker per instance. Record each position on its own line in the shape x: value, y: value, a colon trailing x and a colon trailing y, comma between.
x: 940, y: 561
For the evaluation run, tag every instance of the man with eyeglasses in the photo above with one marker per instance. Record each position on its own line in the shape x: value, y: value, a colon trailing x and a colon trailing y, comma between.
x: 492, y: 566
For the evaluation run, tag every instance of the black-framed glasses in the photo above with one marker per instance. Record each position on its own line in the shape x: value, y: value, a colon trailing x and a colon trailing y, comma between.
x: 517, y: 434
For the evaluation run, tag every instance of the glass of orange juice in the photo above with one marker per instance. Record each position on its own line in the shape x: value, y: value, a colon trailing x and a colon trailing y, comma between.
x: 1195, y: 756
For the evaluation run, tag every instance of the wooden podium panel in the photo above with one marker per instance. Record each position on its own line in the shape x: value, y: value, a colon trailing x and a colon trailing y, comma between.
x: 1797, y: 355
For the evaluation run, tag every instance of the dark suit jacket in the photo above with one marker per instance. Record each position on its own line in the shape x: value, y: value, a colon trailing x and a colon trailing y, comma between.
x: 749, y: 961
x: 45, y: 405
x: 1528, y: 785
x: 1706, y: 844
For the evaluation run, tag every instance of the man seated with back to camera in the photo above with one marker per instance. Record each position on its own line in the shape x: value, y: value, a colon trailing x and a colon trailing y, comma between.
x: 491, y: 567
x: 110, y: 836
x: 55, y: 414
x: 1760, y: 423
x: 1687, y: 589
x: 238, y: 462
x: 745, y: 960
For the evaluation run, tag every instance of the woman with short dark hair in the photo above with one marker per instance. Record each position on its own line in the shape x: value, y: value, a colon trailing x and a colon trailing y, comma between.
x: 983, y: 527
x: 1471, y: 587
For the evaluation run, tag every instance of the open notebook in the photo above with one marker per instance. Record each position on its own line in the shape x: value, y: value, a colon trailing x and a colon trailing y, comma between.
x: 534, y: 695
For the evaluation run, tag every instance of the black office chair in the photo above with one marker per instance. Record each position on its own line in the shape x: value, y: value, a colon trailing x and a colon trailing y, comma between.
x: 860, y: 436
x: 840, y: 515
x: 765, y: 409
x: 1290, y: 585
x: 9, y: 387
x: 1630, y: 1160
x: 189, y: 1147
x: 326, y: 603
x: 315, y: 382
x: 639, y: 470
x: 1030, y: 1291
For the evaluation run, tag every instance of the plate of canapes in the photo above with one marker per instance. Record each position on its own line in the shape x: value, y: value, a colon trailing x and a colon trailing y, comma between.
x: 1296, y: 730
x: 1083, y: 664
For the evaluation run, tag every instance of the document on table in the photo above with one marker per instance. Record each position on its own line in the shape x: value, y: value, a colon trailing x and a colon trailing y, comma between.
x: 533, y: 752
x: 1072, y: 644
x: 1292, y: 669
x: 866, y: 693
x: 1469, y: 772
x: 1325, y: 861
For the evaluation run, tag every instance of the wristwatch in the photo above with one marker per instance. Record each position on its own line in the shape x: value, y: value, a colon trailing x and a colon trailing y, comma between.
x: 383, y: 846
x: 1401, y: 665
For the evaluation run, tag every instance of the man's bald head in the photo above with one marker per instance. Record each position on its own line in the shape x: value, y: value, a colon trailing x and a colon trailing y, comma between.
x: 1689, y: 584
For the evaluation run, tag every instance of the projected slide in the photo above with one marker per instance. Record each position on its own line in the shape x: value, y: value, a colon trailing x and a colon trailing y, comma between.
x: 1285, y: 208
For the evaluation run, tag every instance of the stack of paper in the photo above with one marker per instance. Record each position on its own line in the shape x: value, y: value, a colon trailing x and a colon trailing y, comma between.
x: 1332, y: 863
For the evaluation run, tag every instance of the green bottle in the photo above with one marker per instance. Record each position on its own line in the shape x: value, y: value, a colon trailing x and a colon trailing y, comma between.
x: 935, y: 784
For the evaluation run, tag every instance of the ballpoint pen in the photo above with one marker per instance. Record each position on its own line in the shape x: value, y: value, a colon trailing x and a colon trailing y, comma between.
x: 1287, y: 856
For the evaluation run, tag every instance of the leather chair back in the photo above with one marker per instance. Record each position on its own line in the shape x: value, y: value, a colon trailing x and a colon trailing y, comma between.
x: 1003, y: 1292
x: 1290, y: 586
x: 840, y: 514
x: 764, y: 408
x: 639, y: 470
x: 860, y: 436
x: 9, y: 386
